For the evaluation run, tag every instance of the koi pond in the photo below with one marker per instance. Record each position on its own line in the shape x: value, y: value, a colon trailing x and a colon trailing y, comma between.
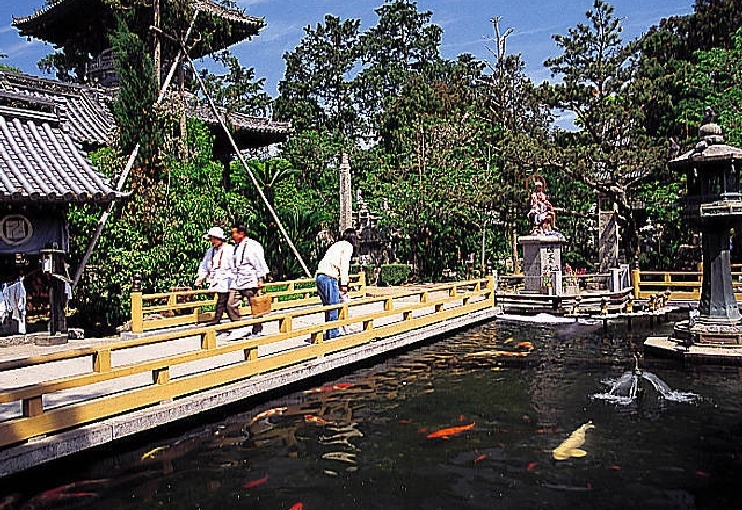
x: 507, y: 415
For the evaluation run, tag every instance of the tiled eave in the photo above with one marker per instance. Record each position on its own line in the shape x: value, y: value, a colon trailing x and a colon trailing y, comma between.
x: 40, y: 163
x: 83, y: 112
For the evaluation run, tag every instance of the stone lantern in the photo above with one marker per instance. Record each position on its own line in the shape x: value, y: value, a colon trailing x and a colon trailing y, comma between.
x: 714, y: 207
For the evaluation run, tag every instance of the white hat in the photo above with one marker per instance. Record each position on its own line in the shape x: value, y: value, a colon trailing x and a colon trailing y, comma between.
x: 215, y: 232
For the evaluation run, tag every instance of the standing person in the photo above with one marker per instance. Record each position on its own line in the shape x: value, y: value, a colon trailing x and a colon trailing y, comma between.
x: 216, y: 270
x: 249, y: 272
x: 332, y: 275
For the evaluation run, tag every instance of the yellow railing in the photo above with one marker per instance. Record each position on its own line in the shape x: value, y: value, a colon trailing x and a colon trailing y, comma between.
x: 178, y: 308
x: 181, y: 371
x: 682, y: 285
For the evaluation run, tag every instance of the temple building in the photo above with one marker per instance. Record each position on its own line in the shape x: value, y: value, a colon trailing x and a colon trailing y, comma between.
x: 80, y: 29
x: 47, y: 128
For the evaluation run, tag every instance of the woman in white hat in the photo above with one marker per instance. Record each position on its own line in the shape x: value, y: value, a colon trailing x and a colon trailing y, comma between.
x: 216, y: 269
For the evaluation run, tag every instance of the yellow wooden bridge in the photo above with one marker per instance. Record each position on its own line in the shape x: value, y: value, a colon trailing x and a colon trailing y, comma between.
x: 169, y: 367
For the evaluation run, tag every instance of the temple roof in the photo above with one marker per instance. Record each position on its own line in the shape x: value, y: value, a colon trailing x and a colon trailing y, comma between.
x: 39, y: 160
x: 84, y: 112
x: 85, y: 22
x: 249, y: 131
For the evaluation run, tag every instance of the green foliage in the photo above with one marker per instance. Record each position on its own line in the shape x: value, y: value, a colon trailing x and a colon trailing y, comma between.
x: 611, y: 152
x: 394, y: 274
x: 237, y: 90
x: 315, y: 93
x: 716, y: 80
x: 133, y: 109
x: 155, y: 233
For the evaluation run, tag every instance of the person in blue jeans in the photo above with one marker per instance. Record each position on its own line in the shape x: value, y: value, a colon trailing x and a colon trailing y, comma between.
x: 332, y: 275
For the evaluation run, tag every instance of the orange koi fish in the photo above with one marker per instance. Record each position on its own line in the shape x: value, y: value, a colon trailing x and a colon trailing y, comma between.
x: 310, y: 418
x: 451, y: 431
x: 269, y: 412
x: 479, y: 458
x: 333, y: 387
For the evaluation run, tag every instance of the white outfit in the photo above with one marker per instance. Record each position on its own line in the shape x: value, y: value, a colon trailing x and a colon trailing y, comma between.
x: 336, y: 262
x: 249, y: 264
x: 15, y: 303
x: 216, y: 267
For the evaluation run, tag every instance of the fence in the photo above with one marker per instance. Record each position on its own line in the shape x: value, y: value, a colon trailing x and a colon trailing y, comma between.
x: 681, y: 285
x: 122, y: 376
x: 182, y: 307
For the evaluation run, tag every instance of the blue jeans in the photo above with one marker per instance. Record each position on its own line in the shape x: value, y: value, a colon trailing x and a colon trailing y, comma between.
x: 329, y: 292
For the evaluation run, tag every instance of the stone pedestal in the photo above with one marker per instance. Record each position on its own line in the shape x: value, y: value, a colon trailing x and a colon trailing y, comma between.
x: 542, y: 253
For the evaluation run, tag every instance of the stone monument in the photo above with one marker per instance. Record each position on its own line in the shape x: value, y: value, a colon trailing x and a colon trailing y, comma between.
x: 542, y: 248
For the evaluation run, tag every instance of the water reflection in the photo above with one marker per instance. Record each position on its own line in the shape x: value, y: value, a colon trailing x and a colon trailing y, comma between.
x: 454, y: 424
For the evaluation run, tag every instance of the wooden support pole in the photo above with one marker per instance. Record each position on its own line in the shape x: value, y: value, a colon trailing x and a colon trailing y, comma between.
x: 208, y: 340
x: 285, y: 324
x: 251, y: 354
x: 137, y: 318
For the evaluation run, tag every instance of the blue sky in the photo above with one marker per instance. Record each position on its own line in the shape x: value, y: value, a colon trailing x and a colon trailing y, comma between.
x: 465, y: 23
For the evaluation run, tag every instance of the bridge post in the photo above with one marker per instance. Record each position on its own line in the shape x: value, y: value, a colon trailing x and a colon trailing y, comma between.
x: 635, y: 280
x: 137, y: 318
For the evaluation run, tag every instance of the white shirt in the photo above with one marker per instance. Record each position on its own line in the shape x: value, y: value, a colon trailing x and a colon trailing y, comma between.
x: 249, y: 264
x: 336, y: 262
x: 216, y: 267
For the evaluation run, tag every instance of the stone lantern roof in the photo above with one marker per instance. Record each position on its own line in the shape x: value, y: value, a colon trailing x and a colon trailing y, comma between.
x: 710, y: 148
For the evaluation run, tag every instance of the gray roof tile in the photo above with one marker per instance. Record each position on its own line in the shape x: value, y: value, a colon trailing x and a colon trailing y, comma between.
x: 40, y: 162
x: 84, y: 111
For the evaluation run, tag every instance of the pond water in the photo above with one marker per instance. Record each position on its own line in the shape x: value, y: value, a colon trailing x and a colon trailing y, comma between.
x: 470, y: 421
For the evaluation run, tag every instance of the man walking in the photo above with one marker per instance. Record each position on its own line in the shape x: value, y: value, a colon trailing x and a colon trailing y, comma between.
x: 216, y: 270
x: 249, y: 272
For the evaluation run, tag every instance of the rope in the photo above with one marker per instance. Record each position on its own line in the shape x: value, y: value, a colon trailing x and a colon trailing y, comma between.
x: 244, y: 163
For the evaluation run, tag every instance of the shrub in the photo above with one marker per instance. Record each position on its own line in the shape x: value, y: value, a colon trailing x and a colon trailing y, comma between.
x: 394, y: 274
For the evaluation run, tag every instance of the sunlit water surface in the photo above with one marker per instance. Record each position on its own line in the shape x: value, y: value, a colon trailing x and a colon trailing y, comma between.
x: 664, y: 436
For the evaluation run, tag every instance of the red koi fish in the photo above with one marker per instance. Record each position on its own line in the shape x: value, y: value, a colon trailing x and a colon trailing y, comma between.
x: 297, y: 506
x: 531, y: 466
x: 451, y: 431
x: 63, y: 493
x: 547, y: 431
x: 251, y: 484
x: 269, y: 412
